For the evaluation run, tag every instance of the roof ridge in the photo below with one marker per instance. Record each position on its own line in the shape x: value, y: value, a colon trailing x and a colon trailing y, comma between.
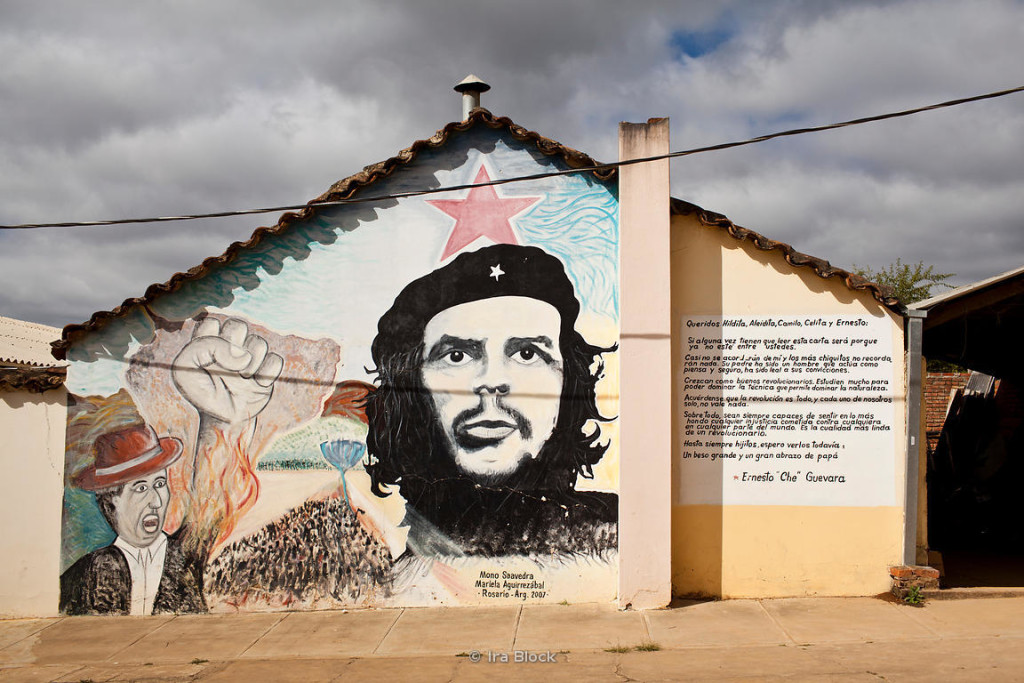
x: 342, y: 189
x: 26, y: 324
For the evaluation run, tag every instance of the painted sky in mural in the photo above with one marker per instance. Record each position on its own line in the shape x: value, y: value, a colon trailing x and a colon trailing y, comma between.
x: 406, y: 403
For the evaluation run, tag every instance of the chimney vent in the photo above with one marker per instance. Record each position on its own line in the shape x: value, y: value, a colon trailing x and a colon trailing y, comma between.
x: 471, y: 87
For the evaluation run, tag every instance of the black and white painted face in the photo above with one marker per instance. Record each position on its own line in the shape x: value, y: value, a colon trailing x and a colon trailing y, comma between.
x: 140, y: 510
x: 494, y: 372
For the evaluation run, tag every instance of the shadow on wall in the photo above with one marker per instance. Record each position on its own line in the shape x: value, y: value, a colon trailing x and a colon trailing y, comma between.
x: 696, y: 529
x: 250, y: 263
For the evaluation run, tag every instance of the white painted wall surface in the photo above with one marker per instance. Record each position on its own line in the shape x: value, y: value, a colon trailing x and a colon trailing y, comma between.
x: 31, y: 492
x: 645, y: 389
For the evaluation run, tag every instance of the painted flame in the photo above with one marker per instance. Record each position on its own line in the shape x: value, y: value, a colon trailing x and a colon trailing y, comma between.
x: 224, y: 487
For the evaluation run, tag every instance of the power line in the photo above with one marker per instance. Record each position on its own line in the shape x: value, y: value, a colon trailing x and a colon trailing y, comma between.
x: 519, y: 179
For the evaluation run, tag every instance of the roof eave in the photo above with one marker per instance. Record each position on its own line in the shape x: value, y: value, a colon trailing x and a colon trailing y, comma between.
x: 968, y: 289
x: 33, y: 380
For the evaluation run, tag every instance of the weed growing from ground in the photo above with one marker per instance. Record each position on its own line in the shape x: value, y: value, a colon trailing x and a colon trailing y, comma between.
x: 618, y: 648
x: 914, y: 596
x: 642, y: 647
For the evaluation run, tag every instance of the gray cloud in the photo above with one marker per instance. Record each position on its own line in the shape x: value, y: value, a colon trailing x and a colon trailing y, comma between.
x: 133, y: 109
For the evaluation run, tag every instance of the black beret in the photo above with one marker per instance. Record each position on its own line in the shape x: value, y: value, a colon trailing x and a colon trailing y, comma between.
x: 498, y: 270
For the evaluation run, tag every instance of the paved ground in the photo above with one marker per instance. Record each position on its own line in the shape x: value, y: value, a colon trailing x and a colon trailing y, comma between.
x: 843, y: 639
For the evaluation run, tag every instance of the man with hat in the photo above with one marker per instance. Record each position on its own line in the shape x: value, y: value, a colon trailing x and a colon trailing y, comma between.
x: 485, y: 412
x: 144, y: 571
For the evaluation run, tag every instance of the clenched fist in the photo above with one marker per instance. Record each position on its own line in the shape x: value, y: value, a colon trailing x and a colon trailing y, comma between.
x: 225, y: 372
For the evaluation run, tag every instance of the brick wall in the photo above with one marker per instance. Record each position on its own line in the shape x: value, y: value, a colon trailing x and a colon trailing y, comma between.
x: 1010, y: 404
x: 938, y: 387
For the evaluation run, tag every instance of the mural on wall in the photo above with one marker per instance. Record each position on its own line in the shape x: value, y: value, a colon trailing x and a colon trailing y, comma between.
x: 144, y: 570
x: 408, y: 406
x: 484, y: 393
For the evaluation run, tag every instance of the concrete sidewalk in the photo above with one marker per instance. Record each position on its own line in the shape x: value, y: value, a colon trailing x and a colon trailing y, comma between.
x: 851, y: 639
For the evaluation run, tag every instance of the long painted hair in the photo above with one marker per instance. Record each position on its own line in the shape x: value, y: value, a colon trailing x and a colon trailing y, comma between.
x: 406, y: 445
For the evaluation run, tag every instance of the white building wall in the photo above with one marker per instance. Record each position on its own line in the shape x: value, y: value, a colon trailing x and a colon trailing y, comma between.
x: 31, y: 490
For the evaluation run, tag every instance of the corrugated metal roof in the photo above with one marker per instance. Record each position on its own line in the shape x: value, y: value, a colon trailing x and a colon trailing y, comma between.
x: 24, y: 343
x: 347, y: 188
x: 966, y: 290
x: 978, y: 326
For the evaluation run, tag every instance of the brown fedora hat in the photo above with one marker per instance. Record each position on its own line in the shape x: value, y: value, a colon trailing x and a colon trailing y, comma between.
x: 127, y: 454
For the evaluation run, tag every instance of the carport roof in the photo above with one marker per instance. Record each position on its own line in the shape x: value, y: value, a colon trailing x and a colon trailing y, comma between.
x: 979, y: 326
x: 23, y: 343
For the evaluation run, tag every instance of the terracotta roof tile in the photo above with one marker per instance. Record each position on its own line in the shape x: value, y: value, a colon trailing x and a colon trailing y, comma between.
x: 343, y: 189
x: 821, y: 267
x: 347, y: 188
x: 35, y: 380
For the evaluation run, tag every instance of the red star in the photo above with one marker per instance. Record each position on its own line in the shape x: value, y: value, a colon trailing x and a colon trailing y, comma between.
x: 736, y: 477
x: 481, y: 214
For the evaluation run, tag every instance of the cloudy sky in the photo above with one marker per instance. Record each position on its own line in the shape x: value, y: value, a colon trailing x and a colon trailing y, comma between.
x: 129, y: 109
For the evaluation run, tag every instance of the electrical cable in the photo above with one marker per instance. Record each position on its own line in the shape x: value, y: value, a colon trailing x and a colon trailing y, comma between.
x: 519, y: 179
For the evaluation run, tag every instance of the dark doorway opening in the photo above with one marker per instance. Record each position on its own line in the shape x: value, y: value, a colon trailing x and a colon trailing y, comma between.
x: 976, y: 487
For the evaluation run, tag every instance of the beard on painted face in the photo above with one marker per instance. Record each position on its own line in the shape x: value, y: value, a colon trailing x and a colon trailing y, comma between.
x: 494, y: 372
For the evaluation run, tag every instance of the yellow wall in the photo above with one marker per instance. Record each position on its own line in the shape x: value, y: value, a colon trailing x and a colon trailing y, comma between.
x: 738, y: 551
